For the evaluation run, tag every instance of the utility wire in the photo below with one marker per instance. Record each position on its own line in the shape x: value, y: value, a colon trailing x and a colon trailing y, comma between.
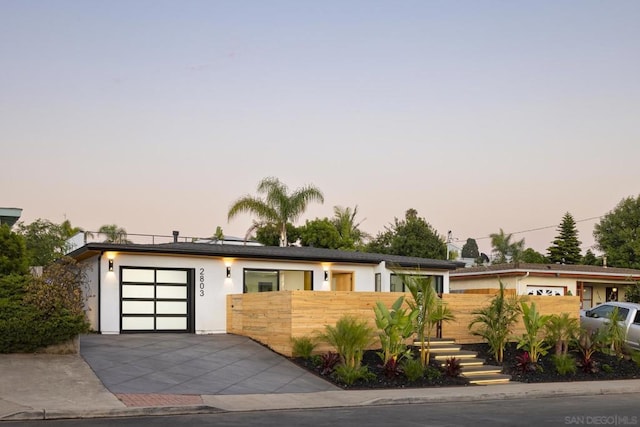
x: 535, y: 229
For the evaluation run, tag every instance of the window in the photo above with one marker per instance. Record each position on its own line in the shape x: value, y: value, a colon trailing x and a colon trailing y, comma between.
x: 397, y: 285
x: 258, y: 280
x: 378, y: 284
x: 605, y: 310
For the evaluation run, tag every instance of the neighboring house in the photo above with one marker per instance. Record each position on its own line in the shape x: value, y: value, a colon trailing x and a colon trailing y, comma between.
x: 10, y: 216
x: 593, y: 284
x: 183, y: 286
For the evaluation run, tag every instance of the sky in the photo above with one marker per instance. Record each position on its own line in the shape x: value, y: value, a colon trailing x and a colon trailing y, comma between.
x: 481, y: 115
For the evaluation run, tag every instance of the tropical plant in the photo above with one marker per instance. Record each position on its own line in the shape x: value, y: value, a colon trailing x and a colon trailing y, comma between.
x: 302, y: 347
x: 524, y: 363
x: 613, y: 333
x: 496, y: 321
x: 428, y: 310
x: 452, y: 367
x: 328, y: 362
x: 532, y: 341
x: 278, y: 207
x: 564, y: 363
x: 413, y: 369
x: 350, y: 337
x: 504, y: 249
x: 350, y: 374
x: 588, y: 343
x: 395, y: 326
x: 114, y: 234
x: 344, y: 220
x: 560, y: 330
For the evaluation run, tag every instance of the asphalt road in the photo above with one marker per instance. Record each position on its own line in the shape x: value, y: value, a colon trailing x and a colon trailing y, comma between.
x: 616, y: 410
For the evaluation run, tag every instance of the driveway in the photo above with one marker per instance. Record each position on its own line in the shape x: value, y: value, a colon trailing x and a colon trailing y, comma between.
x: 193, y: 365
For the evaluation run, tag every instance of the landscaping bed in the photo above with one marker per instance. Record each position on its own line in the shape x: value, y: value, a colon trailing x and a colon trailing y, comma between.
x: 608, y: 368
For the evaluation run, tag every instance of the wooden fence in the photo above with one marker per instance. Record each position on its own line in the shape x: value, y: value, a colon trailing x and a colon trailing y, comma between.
x: 274, y: 318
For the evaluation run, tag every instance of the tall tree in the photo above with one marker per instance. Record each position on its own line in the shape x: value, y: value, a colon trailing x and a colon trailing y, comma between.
x: 413, y: 236
x: 278, y: 207
x: 618, y: 234
x: 470, y: 249
x: 504, y: 250
x: 565, y: 249
x: 532, y: 256
x: 45, y: 241
x: 13, y: 252
x: 114, y: 234
x: 344, y: 220
x: 590, y: 258
x: 320, y: 233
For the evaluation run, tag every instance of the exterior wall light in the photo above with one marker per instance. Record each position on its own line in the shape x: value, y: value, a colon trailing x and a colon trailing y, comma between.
x: 110, y: 265
x: 228, y: 272
x: 326, y: 276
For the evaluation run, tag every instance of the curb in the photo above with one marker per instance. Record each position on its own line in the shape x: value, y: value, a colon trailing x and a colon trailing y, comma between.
x: 110, y: 413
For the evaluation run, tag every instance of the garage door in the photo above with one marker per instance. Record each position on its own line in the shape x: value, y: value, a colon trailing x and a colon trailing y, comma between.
x: 156, y: 300
x: 546, y: 290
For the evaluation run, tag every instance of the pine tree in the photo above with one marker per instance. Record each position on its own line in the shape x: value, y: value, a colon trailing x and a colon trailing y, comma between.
x: 566, y: 246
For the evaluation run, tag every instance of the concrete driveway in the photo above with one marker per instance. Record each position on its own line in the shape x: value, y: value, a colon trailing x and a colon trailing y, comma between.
x: 189, y: 364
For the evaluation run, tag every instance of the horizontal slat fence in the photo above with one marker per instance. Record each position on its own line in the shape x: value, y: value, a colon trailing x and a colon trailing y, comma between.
x: 273, y: 318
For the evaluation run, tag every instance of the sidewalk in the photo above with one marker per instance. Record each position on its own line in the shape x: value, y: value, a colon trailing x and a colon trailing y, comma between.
x: 53, y: 387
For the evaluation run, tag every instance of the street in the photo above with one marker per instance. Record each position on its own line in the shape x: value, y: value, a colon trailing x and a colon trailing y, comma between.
x: 617, y: 410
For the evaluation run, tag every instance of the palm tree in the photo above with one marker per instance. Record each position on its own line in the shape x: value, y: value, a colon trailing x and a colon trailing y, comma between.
x: 278, y: 207
x: 114, y: 234
x: 503, y: 248
x: 344, y: 221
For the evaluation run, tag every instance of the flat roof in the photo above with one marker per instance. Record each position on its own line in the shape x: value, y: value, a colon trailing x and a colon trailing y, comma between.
x: 292, y: 253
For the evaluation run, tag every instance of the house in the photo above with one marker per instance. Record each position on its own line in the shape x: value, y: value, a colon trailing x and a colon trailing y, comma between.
x: 183, y: 286
x: 594, y: 284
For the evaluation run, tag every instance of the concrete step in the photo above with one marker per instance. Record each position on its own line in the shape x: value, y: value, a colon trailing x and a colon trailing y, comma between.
x: 474, y: 370
x: 488, y: 379
x: 462, y: 354
x: 470, y: 361
x: 437, y: 341
x: 439, y: 348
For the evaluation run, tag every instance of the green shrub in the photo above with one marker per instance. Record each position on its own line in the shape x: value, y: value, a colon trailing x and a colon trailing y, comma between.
x: 607, y: 368
x: 565, y: 364
x: 395, y: 326
x: 302, y: 347
x: 635, y: 356
x: 413, y: 369
x: 24, y: 329
x: 531, y: 341
x: 350, y: 337
x: 350, y: 374
x: 496, y: 321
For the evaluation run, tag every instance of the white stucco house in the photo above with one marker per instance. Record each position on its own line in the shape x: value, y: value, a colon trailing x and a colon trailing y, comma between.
x: 182, y: 287
x: 594, y: 284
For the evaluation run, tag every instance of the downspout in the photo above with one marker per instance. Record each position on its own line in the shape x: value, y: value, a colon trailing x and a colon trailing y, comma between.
x: 520, y: 280
x: 99, y: 290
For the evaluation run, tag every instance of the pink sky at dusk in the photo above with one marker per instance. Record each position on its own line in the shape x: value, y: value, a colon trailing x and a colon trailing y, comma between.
x: 481, y: 115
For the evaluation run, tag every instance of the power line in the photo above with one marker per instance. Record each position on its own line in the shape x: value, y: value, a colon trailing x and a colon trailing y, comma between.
x: 536, y: 229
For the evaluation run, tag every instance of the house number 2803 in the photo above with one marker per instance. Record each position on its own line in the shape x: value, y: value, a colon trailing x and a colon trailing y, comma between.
x: 201, y: 283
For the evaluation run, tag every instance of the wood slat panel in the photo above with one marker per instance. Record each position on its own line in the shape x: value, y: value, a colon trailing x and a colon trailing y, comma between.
x: 273, y: 318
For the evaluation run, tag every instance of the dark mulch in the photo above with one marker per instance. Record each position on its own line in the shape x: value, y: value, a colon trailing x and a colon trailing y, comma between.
x: 609, y: 368
x: 373, y: 362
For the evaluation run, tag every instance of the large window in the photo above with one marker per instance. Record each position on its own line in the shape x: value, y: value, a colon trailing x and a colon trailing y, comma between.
x: 256, y: 280
x: 398, y: 285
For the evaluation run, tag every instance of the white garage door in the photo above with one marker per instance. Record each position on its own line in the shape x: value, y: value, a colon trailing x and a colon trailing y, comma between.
x: 155, y: 300
x: 545, y: 290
